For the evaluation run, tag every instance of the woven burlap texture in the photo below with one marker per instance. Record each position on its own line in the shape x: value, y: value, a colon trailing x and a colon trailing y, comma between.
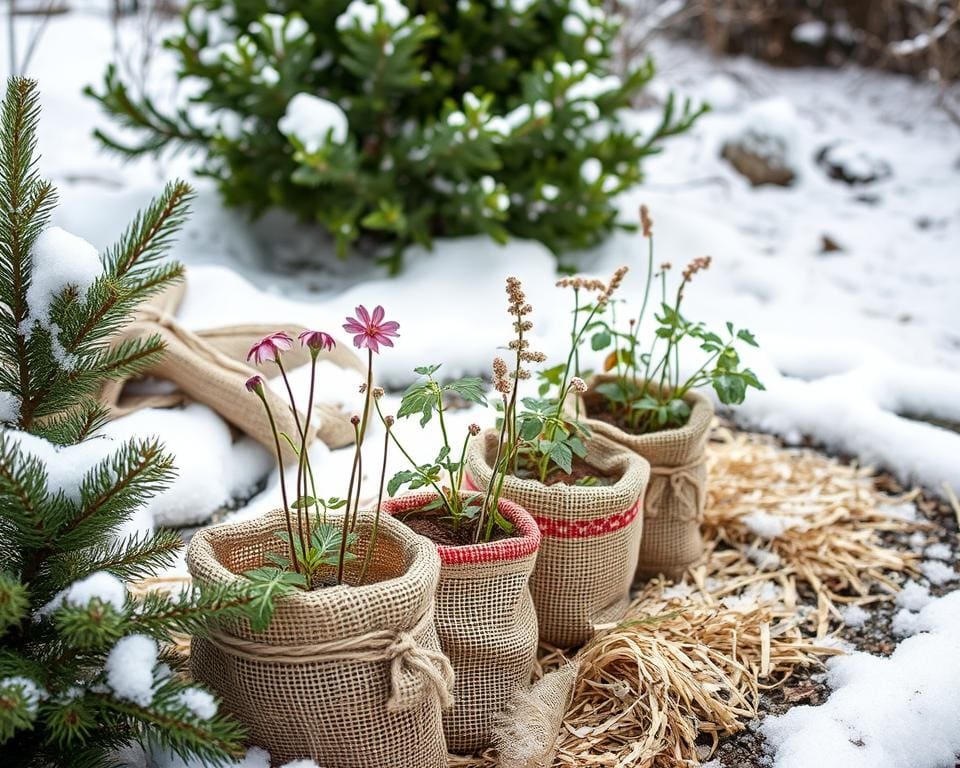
x: 673, y: 508
x: 351, y: 677
x: 207, y: 367
x: 527, y: 733
x: 485, y: 620
x: 580, y: 579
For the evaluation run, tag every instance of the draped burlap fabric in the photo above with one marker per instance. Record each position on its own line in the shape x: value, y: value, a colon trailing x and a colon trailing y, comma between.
x: 673, y: 509
x: 349, y: 676
x: 485, y: 620
x: 527, y: 732
x: 207, y: 367
x: 591, y: 537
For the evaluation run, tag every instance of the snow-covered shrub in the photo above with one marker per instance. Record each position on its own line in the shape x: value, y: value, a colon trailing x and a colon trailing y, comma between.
x: 403, y: 121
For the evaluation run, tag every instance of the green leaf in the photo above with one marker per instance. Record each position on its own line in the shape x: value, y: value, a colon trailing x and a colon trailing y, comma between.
x: 561, y: 455
x: 745, y: 335
x: 427, y: 370
x: 268, y: 585
x: 471, y: 389
x: 600, y: 340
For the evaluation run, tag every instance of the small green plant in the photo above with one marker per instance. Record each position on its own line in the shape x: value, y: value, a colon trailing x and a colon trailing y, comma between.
x: 393, y: 123
x: 445, y: 474
x: 647, y: 393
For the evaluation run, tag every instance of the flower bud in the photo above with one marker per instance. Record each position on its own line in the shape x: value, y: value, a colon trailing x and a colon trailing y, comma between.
x: 255, y: 384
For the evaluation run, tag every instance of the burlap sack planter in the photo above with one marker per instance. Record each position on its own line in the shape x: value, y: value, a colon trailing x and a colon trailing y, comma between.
x: 351, y: 677
x: 485, y: 620
x: 673, y: 508
x: 591, y: 537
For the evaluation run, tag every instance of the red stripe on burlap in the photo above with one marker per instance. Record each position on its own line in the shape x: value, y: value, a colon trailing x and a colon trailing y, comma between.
x: 578, y: 529
x: 526, y: 540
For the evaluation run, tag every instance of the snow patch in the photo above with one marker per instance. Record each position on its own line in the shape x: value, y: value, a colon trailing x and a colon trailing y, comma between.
x: 101, y: 585
x: 59, y: 260
x: 314, y: 121
x: 768, y: 526
x: 866, y: 722
x: 854, y: 616
x: 937, y: 572
x: 130, y: 668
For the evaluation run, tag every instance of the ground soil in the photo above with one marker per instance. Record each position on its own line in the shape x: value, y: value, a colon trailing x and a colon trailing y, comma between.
x: 581, y: 470
x: 440, y: 530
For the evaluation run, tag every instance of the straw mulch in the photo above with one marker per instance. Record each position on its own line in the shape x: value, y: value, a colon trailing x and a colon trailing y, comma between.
x: 791, y: 536
x: 691, y: 660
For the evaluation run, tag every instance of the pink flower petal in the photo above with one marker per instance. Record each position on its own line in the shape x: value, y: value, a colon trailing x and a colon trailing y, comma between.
x: 363, y: 314
x: 378, y: 314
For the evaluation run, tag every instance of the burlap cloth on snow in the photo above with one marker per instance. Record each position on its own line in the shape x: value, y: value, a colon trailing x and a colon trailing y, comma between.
x: 673, y: 509
x: 207, y: 367
x: 351, y: 677
x: 591, y: 537
x: 485, y: 620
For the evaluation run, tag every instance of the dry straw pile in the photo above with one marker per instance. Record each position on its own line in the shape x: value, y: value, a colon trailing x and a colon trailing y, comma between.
x: 692, y: 659
x: 791, y: 536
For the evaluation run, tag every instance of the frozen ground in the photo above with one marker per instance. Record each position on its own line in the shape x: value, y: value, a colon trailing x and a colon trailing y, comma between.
x: 860, y: 346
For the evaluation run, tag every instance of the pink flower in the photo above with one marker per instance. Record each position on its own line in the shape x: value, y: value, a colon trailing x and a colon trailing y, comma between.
x: 317, y: 340
x: 268, y: 349
x: 370, y: 332
x: 255, y: 384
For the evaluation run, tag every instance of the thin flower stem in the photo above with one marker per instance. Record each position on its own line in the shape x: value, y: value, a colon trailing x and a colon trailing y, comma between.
x: 409, y: 458
x: 283, y: 482
x: 301, y: 464
x: 360, y: 438
x: 303, y: 439
x: 346, y: 511
x: 368, y: 557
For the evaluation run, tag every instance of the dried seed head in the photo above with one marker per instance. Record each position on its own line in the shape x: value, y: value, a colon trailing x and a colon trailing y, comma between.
x: 578, y: 385
x: 501, y: 379
x: 701, y: 262
x: 474, y: 429
x: 646, y: 223
x: 533, y: 357
x: 523, y: 373
x: 389, y: 421
x: 665, y: 266
x: 377, y: 393
x: 363, y: 388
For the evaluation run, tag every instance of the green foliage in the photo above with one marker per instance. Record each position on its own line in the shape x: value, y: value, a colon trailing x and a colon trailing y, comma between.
x: 406, y: 121
x: 445, y: 474
x: 647, y: 393
x: 63, y: 603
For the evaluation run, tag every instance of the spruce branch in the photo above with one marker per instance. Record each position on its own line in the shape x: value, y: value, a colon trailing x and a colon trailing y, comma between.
x: 114, y: 488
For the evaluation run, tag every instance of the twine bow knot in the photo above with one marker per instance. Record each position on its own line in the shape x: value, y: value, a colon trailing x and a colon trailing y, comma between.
x: 685, y: 484
x: 408, y: 657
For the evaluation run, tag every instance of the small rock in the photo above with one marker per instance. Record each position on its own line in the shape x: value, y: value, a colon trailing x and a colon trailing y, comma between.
x: 846, y: 162
x: 763, y: 146
x: 829, y: 245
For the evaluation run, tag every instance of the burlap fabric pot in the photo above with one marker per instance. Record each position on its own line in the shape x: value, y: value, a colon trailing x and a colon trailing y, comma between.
x: 673, y: 509
x: 485, y: 620
x: 351, y: 677
x: 591, y: 537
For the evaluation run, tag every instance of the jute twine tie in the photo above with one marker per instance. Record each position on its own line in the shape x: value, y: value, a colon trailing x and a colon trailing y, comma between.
x: 685, y: 484
x: 400, y: 648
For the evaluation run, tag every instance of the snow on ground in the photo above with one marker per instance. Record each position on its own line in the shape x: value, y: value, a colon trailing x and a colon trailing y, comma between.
x: 897, y: 712
x: 859, y: 346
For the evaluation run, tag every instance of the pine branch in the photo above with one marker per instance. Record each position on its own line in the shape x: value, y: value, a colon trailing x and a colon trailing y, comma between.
x: 192, y: 611
x: 132, y: 558
x: 151, y: 231
x: 24, y: 206
x: 112, y: 489
x: 24, y: 500
x: 75, y: 425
